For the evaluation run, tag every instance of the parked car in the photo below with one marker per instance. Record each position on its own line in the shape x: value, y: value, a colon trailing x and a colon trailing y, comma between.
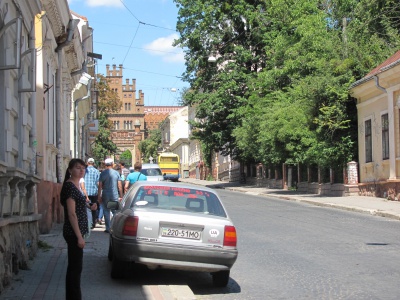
x: 152, y: 172
x: 172, y: 226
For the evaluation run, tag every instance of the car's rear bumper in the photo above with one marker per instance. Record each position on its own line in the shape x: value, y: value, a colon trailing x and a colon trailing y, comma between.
x: 172, y: 256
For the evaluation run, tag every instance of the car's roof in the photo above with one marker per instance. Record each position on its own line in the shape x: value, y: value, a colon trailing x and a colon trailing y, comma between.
x: 150, y: 166
x: 174, y: 184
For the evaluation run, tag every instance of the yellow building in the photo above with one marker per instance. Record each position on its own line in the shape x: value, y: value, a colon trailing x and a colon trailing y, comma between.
x: 378, y: 104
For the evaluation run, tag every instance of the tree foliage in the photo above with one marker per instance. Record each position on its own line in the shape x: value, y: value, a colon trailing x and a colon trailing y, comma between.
x: 108, y: 102
x: 279, y: 90
x: 149, y: 146
x: 126, y: 157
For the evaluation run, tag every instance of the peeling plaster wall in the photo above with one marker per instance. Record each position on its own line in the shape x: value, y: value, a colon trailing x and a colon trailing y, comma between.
x: 18, y: 246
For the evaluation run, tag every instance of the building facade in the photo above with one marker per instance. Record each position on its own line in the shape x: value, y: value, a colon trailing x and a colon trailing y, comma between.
x: 155, y: 115
x: 378, y: 110
x: 134, y: 121
x: 18, y: 203
x: 128, y: 123
x: 40, y: 67
x: 175, y: 137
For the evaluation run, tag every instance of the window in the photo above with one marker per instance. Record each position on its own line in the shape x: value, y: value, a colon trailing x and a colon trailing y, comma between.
x: 368, y: 141
x: 385, y: 136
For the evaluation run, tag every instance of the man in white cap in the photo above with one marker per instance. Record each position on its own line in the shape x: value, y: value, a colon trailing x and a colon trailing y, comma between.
x: 91, y: 184
x: 110, y: 189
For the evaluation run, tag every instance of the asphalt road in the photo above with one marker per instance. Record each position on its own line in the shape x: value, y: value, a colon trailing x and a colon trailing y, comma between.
x: 287, y: 250
x: 290, y: 250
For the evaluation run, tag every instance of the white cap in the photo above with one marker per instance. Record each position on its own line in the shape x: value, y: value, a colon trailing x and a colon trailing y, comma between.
x: 90, y: 160
x: 108, y: 161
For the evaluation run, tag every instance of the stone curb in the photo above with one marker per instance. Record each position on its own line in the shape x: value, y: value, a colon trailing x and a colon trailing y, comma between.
x: 374, y: 212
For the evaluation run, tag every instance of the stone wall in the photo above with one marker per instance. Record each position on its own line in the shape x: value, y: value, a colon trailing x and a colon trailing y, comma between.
x: 383, y: 189
x: 18, y: 245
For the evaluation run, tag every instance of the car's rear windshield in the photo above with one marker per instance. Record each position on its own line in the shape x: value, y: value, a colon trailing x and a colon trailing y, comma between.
x: 181, y: 199
x: 151, y: 172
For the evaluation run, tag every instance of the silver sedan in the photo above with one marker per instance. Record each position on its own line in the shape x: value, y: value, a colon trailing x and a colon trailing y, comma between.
x: 173, y: 226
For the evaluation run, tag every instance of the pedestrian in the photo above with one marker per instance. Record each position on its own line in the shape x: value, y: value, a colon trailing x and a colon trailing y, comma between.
x: 92, y: 186
x: 124, y: 170
x: 124, y: 174
x: 110, y: 189
x: 75, y: 226
x: 88, y: 209
x: 135, y: 175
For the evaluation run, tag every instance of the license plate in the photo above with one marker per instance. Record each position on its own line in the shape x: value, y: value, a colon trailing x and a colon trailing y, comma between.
x: 181, y: 233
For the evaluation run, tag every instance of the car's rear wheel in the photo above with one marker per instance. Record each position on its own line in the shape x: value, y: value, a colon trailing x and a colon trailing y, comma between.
x: 117, y: 268
x: 221, y: 278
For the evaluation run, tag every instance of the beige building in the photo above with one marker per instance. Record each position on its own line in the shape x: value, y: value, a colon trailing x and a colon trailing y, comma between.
x: 18, y: 137
x: 378, y: 105
x: 41, y: 75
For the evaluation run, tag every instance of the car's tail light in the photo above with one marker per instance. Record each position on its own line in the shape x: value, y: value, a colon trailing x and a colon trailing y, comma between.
x: 230, y: 238
x: 130, y: 226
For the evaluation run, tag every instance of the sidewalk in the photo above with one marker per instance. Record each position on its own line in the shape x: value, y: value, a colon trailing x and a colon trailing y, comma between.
x: 45, y: 278
x: 371, y: 205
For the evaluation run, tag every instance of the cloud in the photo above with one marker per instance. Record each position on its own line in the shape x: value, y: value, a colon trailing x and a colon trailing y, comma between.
x: 93, y: 3
x: 115, y: 3
x: 163, y: 47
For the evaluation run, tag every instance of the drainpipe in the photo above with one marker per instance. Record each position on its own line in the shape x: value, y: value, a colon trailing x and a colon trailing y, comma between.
x: 71, y: 28
x: 84, y: 138
x: 376, y: 78
x: 32, y: 133
x: 76, y: 123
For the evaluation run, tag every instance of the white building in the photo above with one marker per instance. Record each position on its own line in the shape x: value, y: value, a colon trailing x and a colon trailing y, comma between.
x: 175, y: 137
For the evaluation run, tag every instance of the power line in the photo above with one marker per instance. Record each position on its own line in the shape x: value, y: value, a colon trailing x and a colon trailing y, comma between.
x: 143, y: 23
x: 125, y: 46
x: 129, y: 48
x: 136, y: 70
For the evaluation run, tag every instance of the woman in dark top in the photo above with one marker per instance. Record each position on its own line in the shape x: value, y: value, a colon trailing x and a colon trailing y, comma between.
x: 75, y: 226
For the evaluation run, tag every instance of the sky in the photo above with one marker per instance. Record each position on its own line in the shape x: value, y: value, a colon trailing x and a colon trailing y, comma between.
x: 138, y: 34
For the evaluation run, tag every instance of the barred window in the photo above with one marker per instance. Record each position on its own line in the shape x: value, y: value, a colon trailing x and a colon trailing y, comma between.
x: 368, y: 141
x: 385, y: 136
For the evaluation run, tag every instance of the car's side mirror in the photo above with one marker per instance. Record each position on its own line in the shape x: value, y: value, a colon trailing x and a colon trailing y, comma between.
x: 114, y: 205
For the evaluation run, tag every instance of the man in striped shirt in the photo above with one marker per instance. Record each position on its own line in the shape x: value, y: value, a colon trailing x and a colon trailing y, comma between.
x: 91, y: 184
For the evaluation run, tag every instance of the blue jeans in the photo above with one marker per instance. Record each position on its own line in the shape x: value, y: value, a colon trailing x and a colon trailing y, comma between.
x: 107, y: 215
x: 101, y: 211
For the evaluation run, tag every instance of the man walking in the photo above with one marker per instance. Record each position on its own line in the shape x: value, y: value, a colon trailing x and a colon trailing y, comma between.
x: 110, y: 189
x: 91, y: 185
x: 135, y: 175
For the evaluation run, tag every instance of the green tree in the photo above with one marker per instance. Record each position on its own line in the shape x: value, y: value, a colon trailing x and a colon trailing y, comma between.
x: 279, y: 89
x: 230, y: 31
x: 149, y: 147
x: 126, y: 157
x: 108, y: 102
